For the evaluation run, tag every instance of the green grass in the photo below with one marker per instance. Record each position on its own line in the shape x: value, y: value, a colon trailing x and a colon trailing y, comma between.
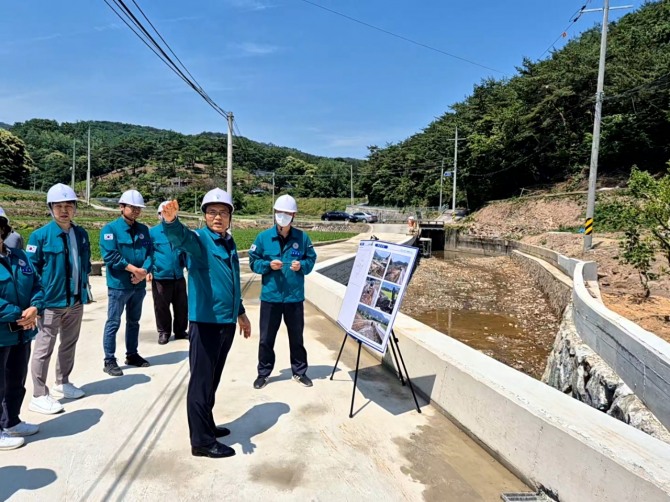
x: 244, y: 237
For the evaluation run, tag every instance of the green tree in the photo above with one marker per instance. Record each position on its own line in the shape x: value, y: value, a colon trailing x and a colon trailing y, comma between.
x: 15, y: 163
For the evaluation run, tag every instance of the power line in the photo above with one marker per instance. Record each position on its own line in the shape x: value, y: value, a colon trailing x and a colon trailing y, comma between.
x: 573, y: 20
x: 401, y: 37
x: 128, y: 17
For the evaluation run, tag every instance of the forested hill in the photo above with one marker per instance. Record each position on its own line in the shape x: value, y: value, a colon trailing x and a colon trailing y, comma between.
x: 536, y: 127
x: 154, y: 156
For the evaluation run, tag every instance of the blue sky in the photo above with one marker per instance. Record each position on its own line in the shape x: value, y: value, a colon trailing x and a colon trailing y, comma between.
x: 293, y: 74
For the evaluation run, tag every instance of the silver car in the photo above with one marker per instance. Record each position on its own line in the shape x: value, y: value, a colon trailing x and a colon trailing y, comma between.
x: 368, y: 217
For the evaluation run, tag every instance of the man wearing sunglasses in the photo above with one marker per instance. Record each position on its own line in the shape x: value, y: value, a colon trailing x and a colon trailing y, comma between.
x: 127, y: 251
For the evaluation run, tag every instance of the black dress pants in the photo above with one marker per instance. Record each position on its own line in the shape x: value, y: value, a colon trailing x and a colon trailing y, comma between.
x: 271, y: 317
x: 209, y: 346
x: 13, y: 371
x: 170, y: 292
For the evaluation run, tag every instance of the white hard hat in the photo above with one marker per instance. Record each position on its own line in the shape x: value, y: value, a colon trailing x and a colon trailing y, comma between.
x: 286, y: 203
x: 3, y: 214
x: 60, y: 193
x: 162, y: 205
x: 132, y: 198
x: 217, y: 196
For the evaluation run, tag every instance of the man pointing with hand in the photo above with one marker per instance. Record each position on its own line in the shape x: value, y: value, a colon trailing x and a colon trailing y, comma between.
x: 214, y: 306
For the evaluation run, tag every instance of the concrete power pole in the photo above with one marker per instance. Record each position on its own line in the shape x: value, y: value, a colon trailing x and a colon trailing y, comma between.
x: 441, y: 183
x: 74, y: 142
x: 351, y: 177
x: 88, y: 170
x: 595, y: 145
x: 229, y: 163
x: 453, y: 202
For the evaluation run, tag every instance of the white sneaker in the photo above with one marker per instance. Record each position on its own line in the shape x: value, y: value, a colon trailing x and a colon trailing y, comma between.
x: 68, y: 391
x: 22, y: 429
x: 9, y: 442
x: 45, y: 404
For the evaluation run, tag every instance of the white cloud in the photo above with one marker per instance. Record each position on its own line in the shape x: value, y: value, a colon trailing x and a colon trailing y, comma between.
x: 249, y: 4
x: 255, y: 49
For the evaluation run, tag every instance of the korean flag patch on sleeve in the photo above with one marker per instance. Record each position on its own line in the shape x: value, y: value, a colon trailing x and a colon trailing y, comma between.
x: 30, y: 248
x: 109, y: 237
x: 253, y: 247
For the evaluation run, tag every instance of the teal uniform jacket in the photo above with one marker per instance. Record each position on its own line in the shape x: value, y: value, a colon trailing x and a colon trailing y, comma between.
x: 214, y: 293
x: 20, y: 288
x: 46, y: 250
x: 283, y: 285
x: 168, y: 262
x: 120, y: 245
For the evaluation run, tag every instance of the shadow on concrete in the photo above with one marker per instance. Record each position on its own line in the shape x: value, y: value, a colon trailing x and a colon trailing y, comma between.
x: 67, y: 424
x: 319, y: 372
x: 168, y: 358
x: 382, y: 387
x: 114, y: 384
x: 18, y: 477
x: 256, y: 421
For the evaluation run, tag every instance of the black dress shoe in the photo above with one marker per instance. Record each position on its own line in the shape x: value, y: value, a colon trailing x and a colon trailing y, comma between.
x: 181, y: 337
x: 163, y: 339
x: 220, y: 432
x: 217, y: 450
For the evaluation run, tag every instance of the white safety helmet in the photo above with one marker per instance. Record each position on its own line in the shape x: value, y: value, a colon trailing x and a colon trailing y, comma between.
x: 60, y: 193
x: 4, y: 215
x: 286, y: 203
x: 132, y: 198
x: 217, y: 196
x: 162, y: 205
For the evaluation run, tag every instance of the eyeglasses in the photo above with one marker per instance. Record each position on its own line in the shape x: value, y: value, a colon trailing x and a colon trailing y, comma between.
x: 134, y: 209
x: 214, y: 214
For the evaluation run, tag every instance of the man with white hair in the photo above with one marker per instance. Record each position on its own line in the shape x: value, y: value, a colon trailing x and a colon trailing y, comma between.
x: 168, y: 286
x: 61, y: 254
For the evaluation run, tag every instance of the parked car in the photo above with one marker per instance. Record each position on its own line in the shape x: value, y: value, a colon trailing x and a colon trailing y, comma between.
x: 369, y: 217
x: 339, y: 216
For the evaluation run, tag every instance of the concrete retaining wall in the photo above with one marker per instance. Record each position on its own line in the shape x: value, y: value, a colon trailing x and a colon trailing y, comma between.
x: 639, y: 357
x: 550, y: 439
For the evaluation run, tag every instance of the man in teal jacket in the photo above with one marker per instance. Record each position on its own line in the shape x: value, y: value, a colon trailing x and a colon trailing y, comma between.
x: 168, y: 286
x: 61, y: 254
x: 126, y: 248
x: 215, y: 305
x: 283, y: 255
x: 21, y: 300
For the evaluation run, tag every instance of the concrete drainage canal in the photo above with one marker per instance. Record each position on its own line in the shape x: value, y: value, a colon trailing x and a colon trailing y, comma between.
x: 487, y: 302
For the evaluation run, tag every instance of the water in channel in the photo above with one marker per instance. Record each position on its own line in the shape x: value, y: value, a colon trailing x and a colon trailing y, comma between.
x: 487, y: 302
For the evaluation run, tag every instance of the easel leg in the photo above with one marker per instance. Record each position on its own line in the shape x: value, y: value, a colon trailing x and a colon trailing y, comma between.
x: 395, y: 340
x: 338, y: 356
x: 353, y: 395
x: 397, y: 363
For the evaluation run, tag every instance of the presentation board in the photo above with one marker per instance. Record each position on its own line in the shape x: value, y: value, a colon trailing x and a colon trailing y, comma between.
x: 376, y: 286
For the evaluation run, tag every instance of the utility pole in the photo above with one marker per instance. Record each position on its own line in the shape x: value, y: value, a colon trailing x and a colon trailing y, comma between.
x: 595, y: 145
x: 273, y: 190
x: 74, y: 142
x: 441, y: 183
x: 453, y: 202
x: 351, y: 170
x: 88, y: 170
x: 229, y: 163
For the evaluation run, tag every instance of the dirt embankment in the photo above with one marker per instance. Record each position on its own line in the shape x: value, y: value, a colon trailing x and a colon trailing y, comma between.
x: 539, y: 221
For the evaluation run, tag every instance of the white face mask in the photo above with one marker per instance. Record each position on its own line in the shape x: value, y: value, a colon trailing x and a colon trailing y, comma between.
x: 283, y: 219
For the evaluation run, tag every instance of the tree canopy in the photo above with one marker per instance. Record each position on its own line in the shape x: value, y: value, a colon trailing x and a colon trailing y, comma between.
x: 15, y: 163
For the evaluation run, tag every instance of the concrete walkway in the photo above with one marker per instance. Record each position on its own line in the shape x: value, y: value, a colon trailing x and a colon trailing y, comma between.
x: 128, y: 438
